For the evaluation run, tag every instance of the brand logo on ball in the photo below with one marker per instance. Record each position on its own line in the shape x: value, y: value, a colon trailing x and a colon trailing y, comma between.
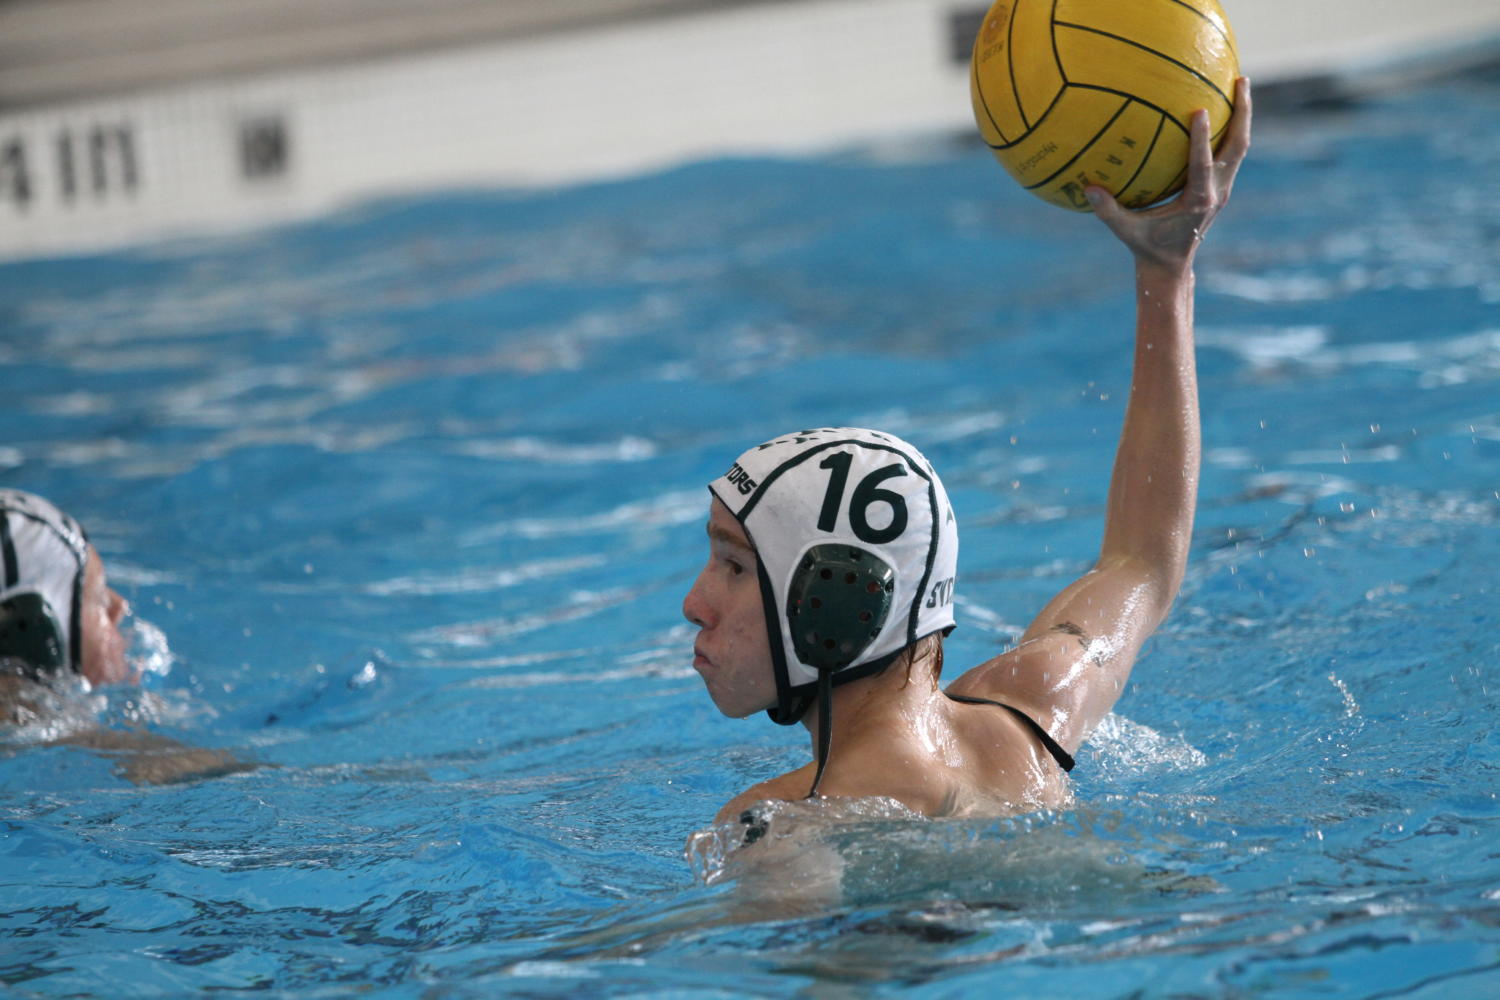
x: 1036, y: 157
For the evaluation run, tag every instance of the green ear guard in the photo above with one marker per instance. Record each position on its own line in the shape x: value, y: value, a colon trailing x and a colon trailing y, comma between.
x: 30, y: 634
x: 838, y: 601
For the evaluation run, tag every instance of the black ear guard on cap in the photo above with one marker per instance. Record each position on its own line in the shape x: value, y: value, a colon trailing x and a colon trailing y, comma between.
x: 29, y: 633
x: 837, y: 603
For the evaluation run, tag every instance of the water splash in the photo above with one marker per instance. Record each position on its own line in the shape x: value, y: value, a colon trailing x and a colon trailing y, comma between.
x: 1120, y: 748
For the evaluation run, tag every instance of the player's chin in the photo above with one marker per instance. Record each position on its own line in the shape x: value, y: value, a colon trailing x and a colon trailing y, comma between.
x: 726, y: 708
x: 733, y: 704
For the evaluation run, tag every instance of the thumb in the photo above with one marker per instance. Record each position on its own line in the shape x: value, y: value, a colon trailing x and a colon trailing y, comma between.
x: 1109, y: 210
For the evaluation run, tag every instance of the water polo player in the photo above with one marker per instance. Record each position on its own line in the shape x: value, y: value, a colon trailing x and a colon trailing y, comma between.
x: 58, y: 616
x: 59, y: 619
x: 833, y: 553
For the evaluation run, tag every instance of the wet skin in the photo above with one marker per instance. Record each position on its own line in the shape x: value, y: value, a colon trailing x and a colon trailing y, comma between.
x: 102, y: 658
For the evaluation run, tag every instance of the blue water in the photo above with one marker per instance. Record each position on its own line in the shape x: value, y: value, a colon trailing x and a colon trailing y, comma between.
x: 406, y: 502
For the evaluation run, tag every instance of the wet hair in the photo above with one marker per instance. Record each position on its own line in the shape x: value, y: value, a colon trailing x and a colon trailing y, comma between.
x: 929, y: 646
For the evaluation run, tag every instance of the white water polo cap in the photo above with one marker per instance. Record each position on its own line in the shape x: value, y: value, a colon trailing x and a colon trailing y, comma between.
x: 43, y: 554
x: 857, y: 550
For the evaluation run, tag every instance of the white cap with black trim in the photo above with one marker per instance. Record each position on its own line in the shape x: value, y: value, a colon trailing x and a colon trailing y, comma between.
x: 43, y: 554
x: 857, y: 549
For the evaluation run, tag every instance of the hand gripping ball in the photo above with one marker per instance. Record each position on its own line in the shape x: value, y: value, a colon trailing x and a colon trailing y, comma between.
x: 1069, y: 93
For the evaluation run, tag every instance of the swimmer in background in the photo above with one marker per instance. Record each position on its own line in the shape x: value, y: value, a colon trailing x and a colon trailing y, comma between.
x: 58, y: 614
x: 59, y: 619
x: 832, y: 555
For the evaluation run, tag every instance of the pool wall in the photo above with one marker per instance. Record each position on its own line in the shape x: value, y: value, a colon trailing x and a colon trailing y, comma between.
x: 247, y: 148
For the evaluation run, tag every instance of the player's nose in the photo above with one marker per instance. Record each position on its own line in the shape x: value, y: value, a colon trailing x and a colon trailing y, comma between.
x: 696, y: 607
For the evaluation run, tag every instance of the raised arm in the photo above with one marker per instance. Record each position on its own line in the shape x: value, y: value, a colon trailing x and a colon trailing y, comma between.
x: 1074, y: 659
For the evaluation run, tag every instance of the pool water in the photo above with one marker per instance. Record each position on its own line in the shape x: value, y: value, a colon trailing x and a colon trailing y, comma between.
x: 406, y: 502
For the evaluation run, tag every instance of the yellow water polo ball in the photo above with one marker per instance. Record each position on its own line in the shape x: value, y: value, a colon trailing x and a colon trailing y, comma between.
x: 1069, y: 93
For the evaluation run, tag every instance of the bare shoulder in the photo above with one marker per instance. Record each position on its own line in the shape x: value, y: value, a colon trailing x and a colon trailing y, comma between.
x: 991, y: 765
x: 986, y: 764
x: 787, y: 787
x: 917, y: 781
x: 911, y: 778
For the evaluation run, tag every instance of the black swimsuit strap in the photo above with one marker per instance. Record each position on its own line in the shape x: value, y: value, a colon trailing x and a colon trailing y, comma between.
x: 1063, y: 758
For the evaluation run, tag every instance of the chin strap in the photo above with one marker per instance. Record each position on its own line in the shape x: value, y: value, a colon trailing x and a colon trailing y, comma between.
x: 825, y: 726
